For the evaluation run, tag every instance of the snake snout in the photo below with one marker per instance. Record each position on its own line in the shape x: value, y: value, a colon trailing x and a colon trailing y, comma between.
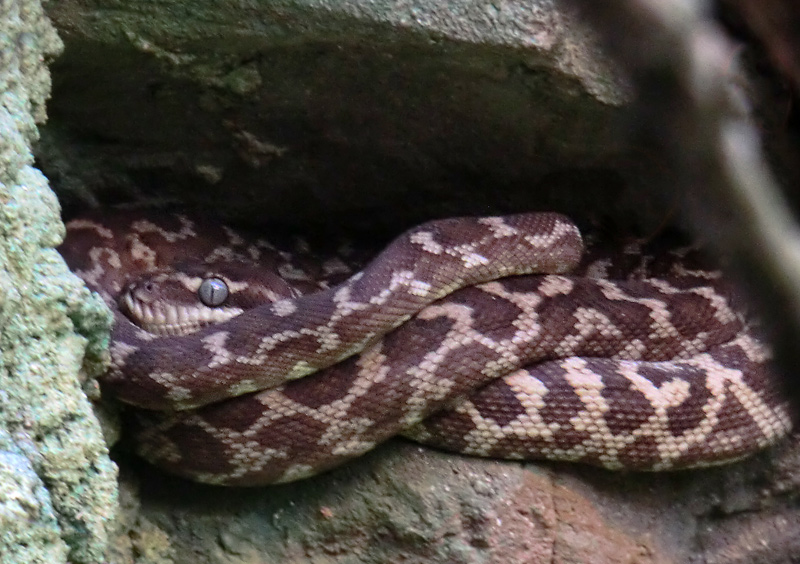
x: 164, y: 305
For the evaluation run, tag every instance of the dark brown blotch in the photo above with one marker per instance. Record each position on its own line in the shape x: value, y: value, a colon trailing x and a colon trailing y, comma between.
x: 561, y: 401
x: 629, y: 408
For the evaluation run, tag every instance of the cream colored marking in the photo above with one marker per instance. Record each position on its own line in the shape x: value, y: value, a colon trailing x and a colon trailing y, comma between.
x: 467, y: 255
x: 120, y: 351
x: 143, y: 253
x: 284, y: 308
x: 186, y: 230
x: 296, y: 472
x: 242, y: 387
x: 680, y: 270
x: 661, y: 324
x: 345, y: 427
x: 527, y: 324
x: 268, y: 343
x: 144, y: 335
x: 175, y: 393
x: 531, y: 393
x: 90, y: 225
x: 694, y: 346
x: 471, y: 260
x: 101, y: 259
x: 428, y: 385
x: 759, y: 412
x: 499, y: 228
x: 345, y: 445
x: 670, y: 394
x: 419, y: 288
x: 247, y: 456
x: 664, y: 286
x: 588, y: 386
x: 426, y: 241
x: 157, y: 448
x: 589, y: 321
x: 342, y: 432
x: 221, y: 253
x: 233, y: 237
x: 219, y: 315
x: 327, y: 338
x: 300, y: 369
x: 599, y: 269
x: 559, y: 231
x: 554, y: 285
x: 344, y: 305
x: 755, y: 350
x: 722, y: 309
x: 400, y: 279
x: 261, y: 355
x: 215, y: 343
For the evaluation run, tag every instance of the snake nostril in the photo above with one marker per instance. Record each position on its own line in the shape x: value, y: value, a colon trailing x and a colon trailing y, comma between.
x: 213, y: 292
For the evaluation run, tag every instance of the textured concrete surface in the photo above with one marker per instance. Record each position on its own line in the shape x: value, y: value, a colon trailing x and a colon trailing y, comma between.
x: 404, y: 503
x: 30, y: 531
x: 57, y: 484
x: 326, y: 114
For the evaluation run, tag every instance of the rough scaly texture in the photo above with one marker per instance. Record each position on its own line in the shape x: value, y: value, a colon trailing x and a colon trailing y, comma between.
x: 630, y: 361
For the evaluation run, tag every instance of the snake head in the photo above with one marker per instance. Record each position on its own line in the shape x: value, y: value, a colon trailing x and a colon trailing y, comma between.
x: 186, y: 298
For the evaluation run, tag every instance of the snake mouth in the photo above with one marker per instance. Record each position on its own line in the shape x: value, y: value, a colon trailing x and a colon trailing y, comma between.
x: 164, y: 319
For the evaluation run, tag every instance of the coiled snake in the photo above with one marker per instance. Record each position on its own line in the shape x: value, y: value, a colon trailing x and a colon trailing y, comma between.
x: 486, y: 336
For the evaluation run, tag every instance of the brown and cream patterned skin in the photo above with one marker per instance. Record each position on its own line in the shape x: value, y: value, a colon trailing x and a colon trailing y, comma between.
x: 479, y: 335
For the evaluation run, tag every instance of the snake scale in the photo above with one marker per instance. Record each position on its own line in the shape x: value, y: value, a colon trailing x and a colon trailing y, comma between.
x: 249, y: 364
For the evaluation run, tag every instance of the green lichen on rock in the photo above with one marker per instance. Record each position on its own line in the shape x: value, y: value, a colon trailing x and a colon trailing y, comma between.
x: 30, y: 531
x: 57, y: 484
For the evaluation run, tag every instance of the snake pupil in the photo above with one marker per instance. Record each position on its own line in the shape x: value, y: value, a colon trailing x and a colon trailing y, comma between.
x: 213, y: 292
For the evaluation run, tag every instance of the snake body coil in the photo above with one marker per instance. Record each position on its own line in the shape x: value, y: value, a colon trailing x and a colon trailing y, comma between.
x: 483, y: 336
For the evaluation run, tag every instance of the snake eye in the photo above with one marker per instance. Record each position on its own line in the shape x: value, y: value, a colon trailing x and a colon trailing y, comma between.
x: 213, y: 292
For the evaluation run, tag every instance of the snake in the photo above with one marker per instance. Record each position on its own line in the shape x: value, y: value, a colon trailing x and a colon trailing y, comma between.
x: 245, y: 362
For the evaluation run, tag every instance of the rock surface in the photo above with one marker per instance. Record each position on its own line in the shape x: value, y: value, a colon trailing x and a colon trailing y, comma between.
x: 363, y: 117
x: 57, y: 484
x: 326, y: 114
x: 405, y: 503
